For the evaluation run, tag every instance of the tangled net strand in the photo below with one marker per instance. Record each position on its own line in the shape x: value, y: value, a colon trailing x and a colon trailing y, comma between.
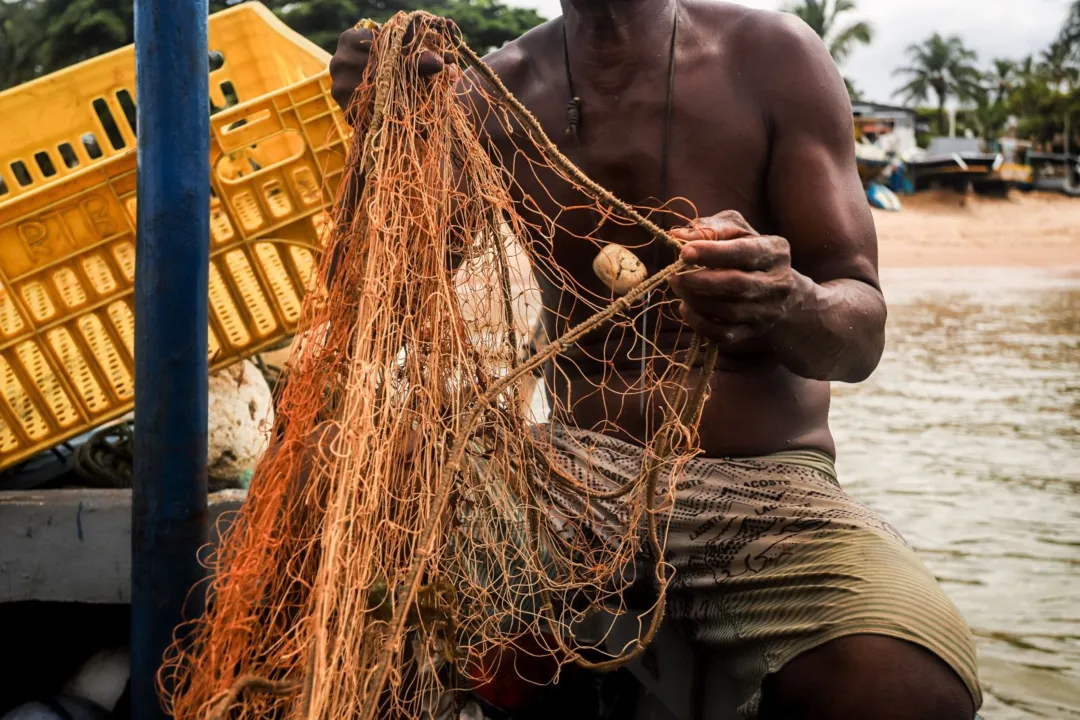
x: 401, y: 529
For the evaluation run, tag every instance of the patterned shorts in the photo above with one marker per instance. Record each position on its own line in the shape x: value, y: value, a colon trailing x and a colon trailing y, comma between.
x: 772, y: 559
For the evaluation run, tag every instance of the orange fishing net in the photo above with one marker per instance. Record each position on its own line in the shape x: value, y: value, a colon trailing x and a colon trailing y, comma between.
x: 402, y: 525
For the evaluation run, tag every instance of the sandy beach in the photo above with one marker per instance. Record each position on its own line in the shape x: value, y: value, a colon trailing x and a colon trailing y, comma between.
x: 945, y: 229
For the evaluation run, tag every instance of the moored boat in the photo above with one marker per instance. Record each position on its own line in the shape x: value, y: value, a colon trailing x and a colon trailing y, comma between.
x: 956, y: 170
x: 1055, y: 172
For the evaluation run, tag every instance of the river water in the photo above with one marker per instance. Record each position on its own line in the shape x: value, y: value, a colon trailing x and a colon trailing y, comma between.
x: 967, y: 438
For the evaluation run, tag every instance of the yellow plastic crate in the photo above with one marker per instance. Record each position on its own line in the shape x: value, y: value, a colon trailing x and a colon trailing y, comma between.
x: 67, y: 220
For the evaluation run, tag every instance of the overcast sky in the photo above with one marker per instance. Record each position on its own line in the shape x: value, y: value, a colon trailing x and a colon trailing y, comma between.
x: 994, y: 28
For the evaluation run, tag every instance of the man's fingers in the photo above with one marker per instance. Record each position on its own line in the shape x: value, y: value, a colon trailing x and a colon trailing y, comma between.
x: 712, y: 232
x: 724, y: 284
x: 356, y: 39
x: 725, y: 335
x: 455, y: 72
x: 744, y: 253
x: 429, y: 63
x: 728, y: 217
x: 727, y: 225
x: 348, y: 64
x: 343, y: 85
x: 760, y: 315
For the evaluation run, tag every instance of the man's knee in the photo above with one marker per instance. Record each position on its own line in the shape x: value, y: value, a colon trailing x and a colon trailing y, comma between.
x: 866, y: 676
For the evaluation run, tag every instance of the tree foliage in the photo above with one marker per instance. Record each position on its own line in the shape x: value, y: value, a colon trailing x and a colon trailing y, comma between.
x: 77, y: 30
x: 824, y: 17
x: 1056, y: 64
x: 1070, y: 30
x: 943, y: 67
x: 1038, y: 92
x: 20, y: 37
x: 41, y: 36
x: 1001, y: 78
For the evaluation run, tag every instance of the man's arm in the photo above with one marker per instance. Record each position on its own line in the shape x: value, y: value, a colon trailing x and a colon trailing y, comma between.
x: 835, y: 327
x: 809, y: 294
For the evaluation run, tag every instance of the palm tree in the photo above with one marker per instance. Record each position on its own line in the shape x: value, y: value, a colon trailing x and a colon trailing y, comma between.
x: 1029, y: 86
x: 1060, y: 75
x: 841, y: 41
x: 1070, y: 31
x: 1002, y: 78
x: 942, y: 65
x: 824, y: 20
x: 990, y: 116
x: 1056, y: 66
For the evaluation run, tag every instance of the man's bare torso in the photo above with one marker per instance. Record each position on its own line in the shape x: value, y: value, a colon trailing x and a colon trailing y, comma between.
x: 784, y: 283
x: 719, y: 160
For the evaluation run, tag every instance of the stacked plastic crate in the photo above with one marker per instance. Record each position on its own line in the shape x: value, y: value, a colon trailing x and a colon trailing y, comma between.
x: 67, y: 220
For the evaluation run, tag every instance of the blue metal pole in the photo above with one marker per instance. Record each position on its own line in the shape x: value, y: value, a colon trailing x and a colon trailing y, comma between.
x: 172, y: 256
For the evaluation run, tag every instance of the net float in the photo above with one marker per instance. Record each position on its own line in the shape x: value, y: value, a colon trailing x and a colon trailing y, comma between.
x: 619, y: 269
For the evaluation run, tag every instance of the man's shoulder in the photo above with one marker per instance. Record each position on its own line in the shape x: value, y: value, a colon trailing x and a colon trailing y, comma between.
x: 773, y: 53
x: 754, y: 32
x: 516, y: 59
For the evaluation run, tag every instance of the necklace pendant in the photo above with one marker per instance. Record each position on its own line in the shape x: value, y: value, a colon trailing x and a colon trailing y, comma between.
x: 573, y: 118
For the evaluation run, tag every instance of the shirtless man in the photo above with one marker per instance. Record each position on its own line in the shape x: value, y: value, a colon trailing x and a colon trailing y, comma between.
x: 820, y: 610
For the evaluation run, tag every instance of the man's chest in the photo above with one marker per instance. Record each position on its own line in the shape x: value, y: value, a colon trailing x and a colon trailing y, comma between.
x: 699, y: 157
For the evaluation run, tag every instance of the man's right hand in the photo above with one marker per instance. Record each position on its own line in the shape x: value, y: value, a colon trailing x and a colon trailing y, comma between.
x: 351, y: 59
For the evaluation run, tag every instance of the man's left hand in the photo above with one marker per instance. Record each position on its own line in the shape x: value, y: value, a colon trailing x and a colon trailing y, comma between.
x: 740, y: 284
